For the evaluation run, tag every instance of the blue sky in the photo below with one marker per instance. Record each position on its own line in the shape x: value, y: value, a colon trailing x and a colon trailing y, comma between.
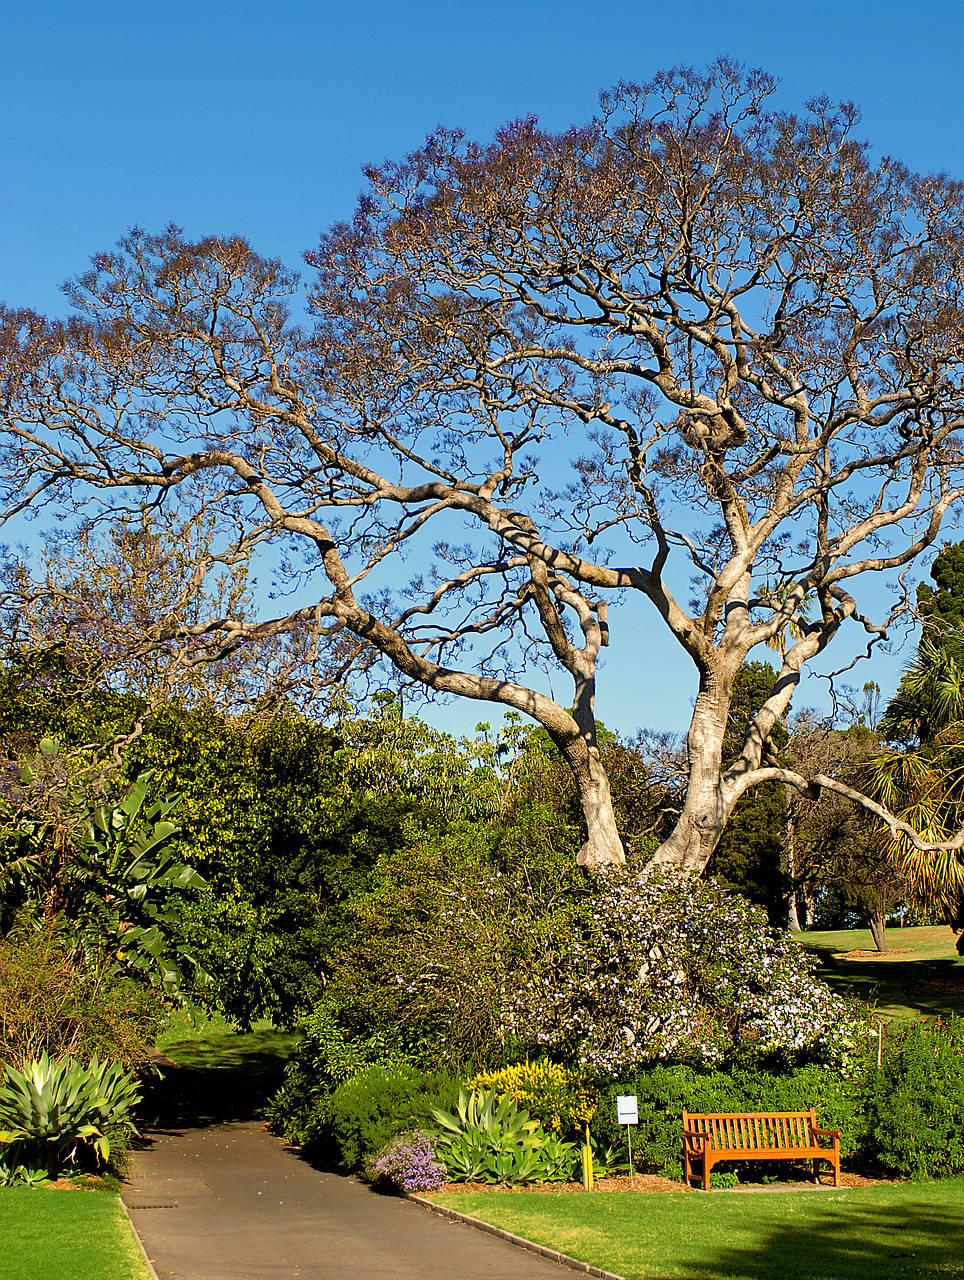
x: 253, y: 118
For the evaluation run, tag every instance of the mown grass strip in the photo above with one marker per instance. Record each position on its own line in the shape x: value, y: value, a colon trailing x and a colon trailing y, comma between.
x: 899, y: 1231
x: 67, y: 1235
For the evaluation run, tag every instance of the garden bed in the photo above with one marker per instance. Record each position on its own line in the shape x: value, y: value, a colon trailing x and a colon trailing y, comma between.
x: 648, y: 1183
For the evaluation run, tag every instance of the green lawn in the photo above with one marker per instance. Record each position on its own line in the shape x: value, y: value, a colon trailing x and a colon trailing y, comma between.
x: 920, y: 973
x: 913, y: 1229
x: 66, y: 1235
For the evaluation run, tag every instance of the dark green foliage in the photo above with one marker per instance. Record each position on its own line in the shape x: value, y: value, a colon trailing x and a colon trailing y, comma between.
x: 364, y: 1113
x: 749, y: 855
x: 97, y: 860
x: 664, y: 1091
x: 332, y: 857
x: 916, y: 1101
x: 918, y: 712
x: 449, y: 919
x: 943, y: 608
x: 326, y: 1057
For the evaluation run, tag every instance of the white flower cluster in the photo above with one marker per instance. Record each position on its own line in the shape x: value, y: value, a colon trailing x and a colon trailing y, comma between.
x: 663, y: 965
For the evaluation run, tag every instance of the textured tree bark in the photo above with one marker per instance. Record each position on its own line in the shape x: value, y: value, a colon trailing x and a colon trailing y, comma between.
x: 878, y: 930
x: 707, y: 807
x: 810, y: 908
x: 793, y: 918
x: 604, y: 846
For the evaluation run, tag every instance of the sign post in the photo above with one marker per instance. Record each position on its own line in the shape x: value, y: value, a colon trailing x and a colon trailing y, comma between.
x: 627, y: 1113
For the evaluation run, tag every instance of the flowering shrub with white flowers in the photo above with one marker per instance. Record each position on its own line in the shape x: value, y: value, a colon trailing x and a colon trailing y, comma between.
x: 661, y: 965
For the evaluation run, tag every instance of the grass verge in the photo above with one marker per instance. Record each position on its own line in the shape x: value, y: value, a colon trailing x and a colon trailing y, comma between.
x: 913, y: 1229
x: 66, y: 1235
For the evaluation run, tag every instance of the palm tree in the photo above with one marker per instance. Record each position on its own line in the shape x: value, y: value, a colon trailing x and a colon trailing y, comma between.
x: 922, y: 781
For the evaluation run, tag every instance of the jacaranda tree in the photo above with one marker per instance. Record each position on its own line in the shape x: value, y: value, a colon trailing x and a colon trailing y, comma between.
x: 695, y: 338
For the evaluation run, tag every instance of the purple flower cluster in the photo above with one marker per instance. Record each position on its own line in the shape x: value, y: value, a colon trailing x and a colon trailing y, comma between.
x: 408, y: 1163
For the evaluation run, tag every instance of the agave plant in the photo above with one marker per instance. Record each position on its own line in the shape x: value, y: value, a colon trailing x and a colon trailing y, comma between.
x: 58, y: 1105
x: 20, y: 1175
x: 488, y: 1139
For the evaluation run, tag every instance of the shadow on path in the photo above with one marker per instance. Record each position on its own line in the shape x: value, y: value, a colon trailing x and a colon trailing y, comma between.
x: 226, y: 1078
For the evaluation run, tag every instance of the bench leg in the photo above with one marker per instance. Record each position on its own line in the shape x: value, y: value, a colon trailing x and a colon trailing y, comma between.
x: 707, y: 1168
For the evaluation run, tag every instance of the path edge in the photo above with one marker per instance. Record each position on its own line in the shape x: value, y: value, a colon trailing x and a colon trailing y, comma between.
x: 140, y: 1242
x: 586, y: 1268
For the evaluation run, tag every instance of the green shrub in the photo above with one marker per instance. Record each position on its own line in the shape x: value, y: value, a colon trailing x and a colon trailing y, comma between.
x: 488, y: 1139
x: 364, y: 1113
x: 664, y: 1091
x: 326, y: 1057
x: 54, y: 1108
x: 914, y: 1104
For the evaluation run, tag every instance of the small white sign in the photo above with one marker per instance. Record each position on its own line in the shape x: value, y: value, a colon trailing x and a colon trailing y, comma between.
x: 627, y: 1110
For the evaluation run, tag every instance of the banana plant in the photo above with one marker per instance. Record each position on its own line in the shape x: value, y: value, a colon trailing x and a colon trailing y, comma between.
x: 125, y: 872
x: 107, y: 869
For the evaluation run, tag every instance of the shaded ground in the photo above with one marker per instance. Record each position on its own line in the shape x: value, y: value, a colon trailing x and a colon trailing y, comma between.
x: 219, y: 1076
x: 920, y: 974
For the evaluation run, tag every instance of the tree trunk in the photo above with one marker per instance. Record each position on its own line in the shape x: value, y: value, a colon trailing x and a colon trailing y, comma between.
x: 810, y: 908
x: 575, y: 735
x: 790, y: 855
x: 604, y: 847
x: 793, y: 917
x: 878, y: 930
x: 691, y: 843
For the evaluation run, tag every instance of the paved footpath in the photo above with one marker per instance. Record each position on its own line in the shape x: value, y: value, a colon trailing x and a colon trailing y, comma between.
x: 232, y: 1202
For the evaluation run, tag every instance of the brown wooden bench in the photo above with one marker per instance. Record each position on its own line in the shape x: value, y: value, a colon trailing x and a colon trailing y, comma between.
x: 757, y: 1135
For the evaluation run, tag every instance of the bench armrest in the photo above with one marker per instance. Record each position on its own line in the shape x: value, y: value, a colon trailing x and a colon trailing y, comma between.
x: 829, y: 1133
x: 695, y: 1138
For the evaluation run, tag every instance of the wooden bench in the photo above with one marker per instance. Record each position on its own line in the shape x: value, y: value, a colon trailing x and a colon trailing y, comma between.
x: 757, y: 1135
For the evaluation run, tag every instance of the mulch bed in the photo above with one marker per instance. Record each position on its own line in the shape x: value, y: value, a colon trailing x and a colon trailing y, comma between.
x: 641, y: 1182
x: 873, y: 954
x: 647, y: 1182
